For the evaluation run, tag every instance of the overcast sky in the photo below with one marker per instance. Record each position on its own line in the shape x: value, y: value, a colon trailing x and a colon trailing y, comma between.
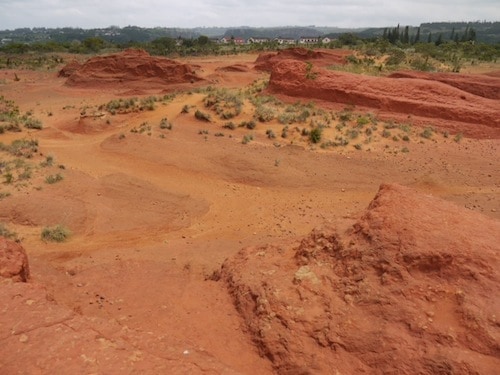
x: 194, y: 13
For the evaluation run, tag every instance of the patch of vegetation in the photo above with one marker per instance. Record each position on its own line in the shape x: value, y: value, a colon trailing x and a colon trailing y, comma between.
x: 309, y: 71
x: 202, y: 116
x: 247, y: 139
x: 54, y: 178
x: 7, y: 233
x: 458, y: 137
x: 227, y: 104
x: 21, y: 147
x: 270, y: 134
x: 295, y: 113
x: 129, y: 105
x: 427, y: 133
x: 229, y: 125
x: 12, y: 120
x: 57, y: 233
x: 264, y: 113
x: 165, y: 124
x: 48, y: 162
x: 143, y: 128
x: 248, y: 124
x: 315, y: 134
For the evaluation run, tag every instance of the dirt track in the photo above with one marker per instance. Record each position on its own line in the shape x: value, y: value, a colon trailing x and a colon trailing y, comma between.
x: 153, y: 218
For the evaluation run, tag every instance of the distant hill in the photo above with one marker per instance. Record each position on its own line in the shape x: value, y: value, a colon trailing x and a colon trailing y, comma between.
x: 488, y: 32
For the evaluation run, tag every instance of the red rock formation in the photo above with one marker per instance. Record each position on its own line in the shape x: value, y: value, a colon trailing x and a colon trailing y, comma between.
x: 69, y: 69
x: 266, y: 61
x: 129, y: 68
x: 13, y: 261
x: 410, y: 288
x: 481, y: 85
x: 479, y: 116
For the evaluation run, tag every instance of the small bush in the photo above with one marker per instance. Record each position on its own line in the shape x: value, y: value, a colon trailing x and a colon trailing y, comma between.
x: 56, y: 233
x: 427, y: 133
x: 32, y: 123
x: 250, y: 124
x: 270, y: 134
x: 164, y: 124
x: 458, y: 137
x: 53, y: 178
x: 202, y: 116
x: 264, y: 113
x: 5, y: 232
x: 8, y: 178
x: 315, y: 134
x: 48, y: 162
x: 230, y: 125
x: 247, y: 139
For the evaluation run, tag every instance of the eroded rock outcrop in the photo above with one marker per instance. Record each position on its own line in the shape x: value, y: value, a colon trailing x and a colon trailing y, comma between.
x: 130, y: 68
x: 445, y: 105
x: 266, y: 61
x: 13, y: 261
x: 410, y: 288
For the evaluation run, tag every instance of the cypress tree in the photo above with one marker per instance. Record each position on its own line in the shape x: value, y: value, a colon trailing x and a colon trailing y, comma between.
x: 406, y: 35
x: 417, y: 37
x: 429, y: 39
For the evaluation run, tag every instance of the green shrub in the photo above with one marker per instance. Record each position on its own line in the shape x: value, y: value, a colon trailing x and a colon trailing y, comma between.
x: 48, y: 162
x: 31, y: 123
x: 56, y: 233
x: 264, y: 113
x: 247, y: 139
x: 5, y: 232
x: 427, y: 133
x: 229, y: 125
x: 270, y: 134
x: 53, y: 178
x: 164, y: 124
x: 316, y: 134
x: 202, y: 116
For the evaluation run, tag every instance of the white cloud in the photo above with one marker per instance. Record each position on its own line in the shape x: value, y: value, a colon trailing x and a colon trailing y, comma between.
x: 342, y: 13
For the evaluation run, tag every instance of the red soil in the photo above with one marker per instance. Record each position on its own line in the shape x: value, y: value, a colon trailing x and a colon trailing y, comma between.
x: 410, y: 288
x: 480, y: 85
x: 266, y: 61
x: 135, y: 68
x: 446, y: 106
x: 413, y: 281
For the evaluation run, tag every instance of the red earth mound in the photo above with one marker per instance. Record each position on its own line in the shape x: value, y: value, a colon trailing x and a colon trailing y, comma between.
x: 13, y: 261
x: 481, y: 85
x: 477, y: 116
x: 410, y: 288
x: 130, y: 68
x: 266, y: 61
x: 69, y: 69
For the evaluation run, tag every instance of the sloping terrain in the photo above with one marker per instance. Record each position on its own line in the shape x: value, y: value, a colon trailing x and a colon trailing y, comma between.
x: 411, y: 287
x: 445, y: 105
x: 132, y: 67
x: 156, y: 198
x: 323, y: 57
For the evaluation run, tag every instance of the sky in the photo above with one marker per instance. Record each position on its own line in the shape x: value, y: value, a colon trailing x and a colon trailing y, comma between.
x: 226, y: 13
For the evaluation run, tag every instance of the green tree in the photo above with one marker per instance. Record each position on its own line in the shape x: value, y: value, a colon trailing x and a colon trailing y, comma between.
x: 417, y: 37
x: 94, y: 44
